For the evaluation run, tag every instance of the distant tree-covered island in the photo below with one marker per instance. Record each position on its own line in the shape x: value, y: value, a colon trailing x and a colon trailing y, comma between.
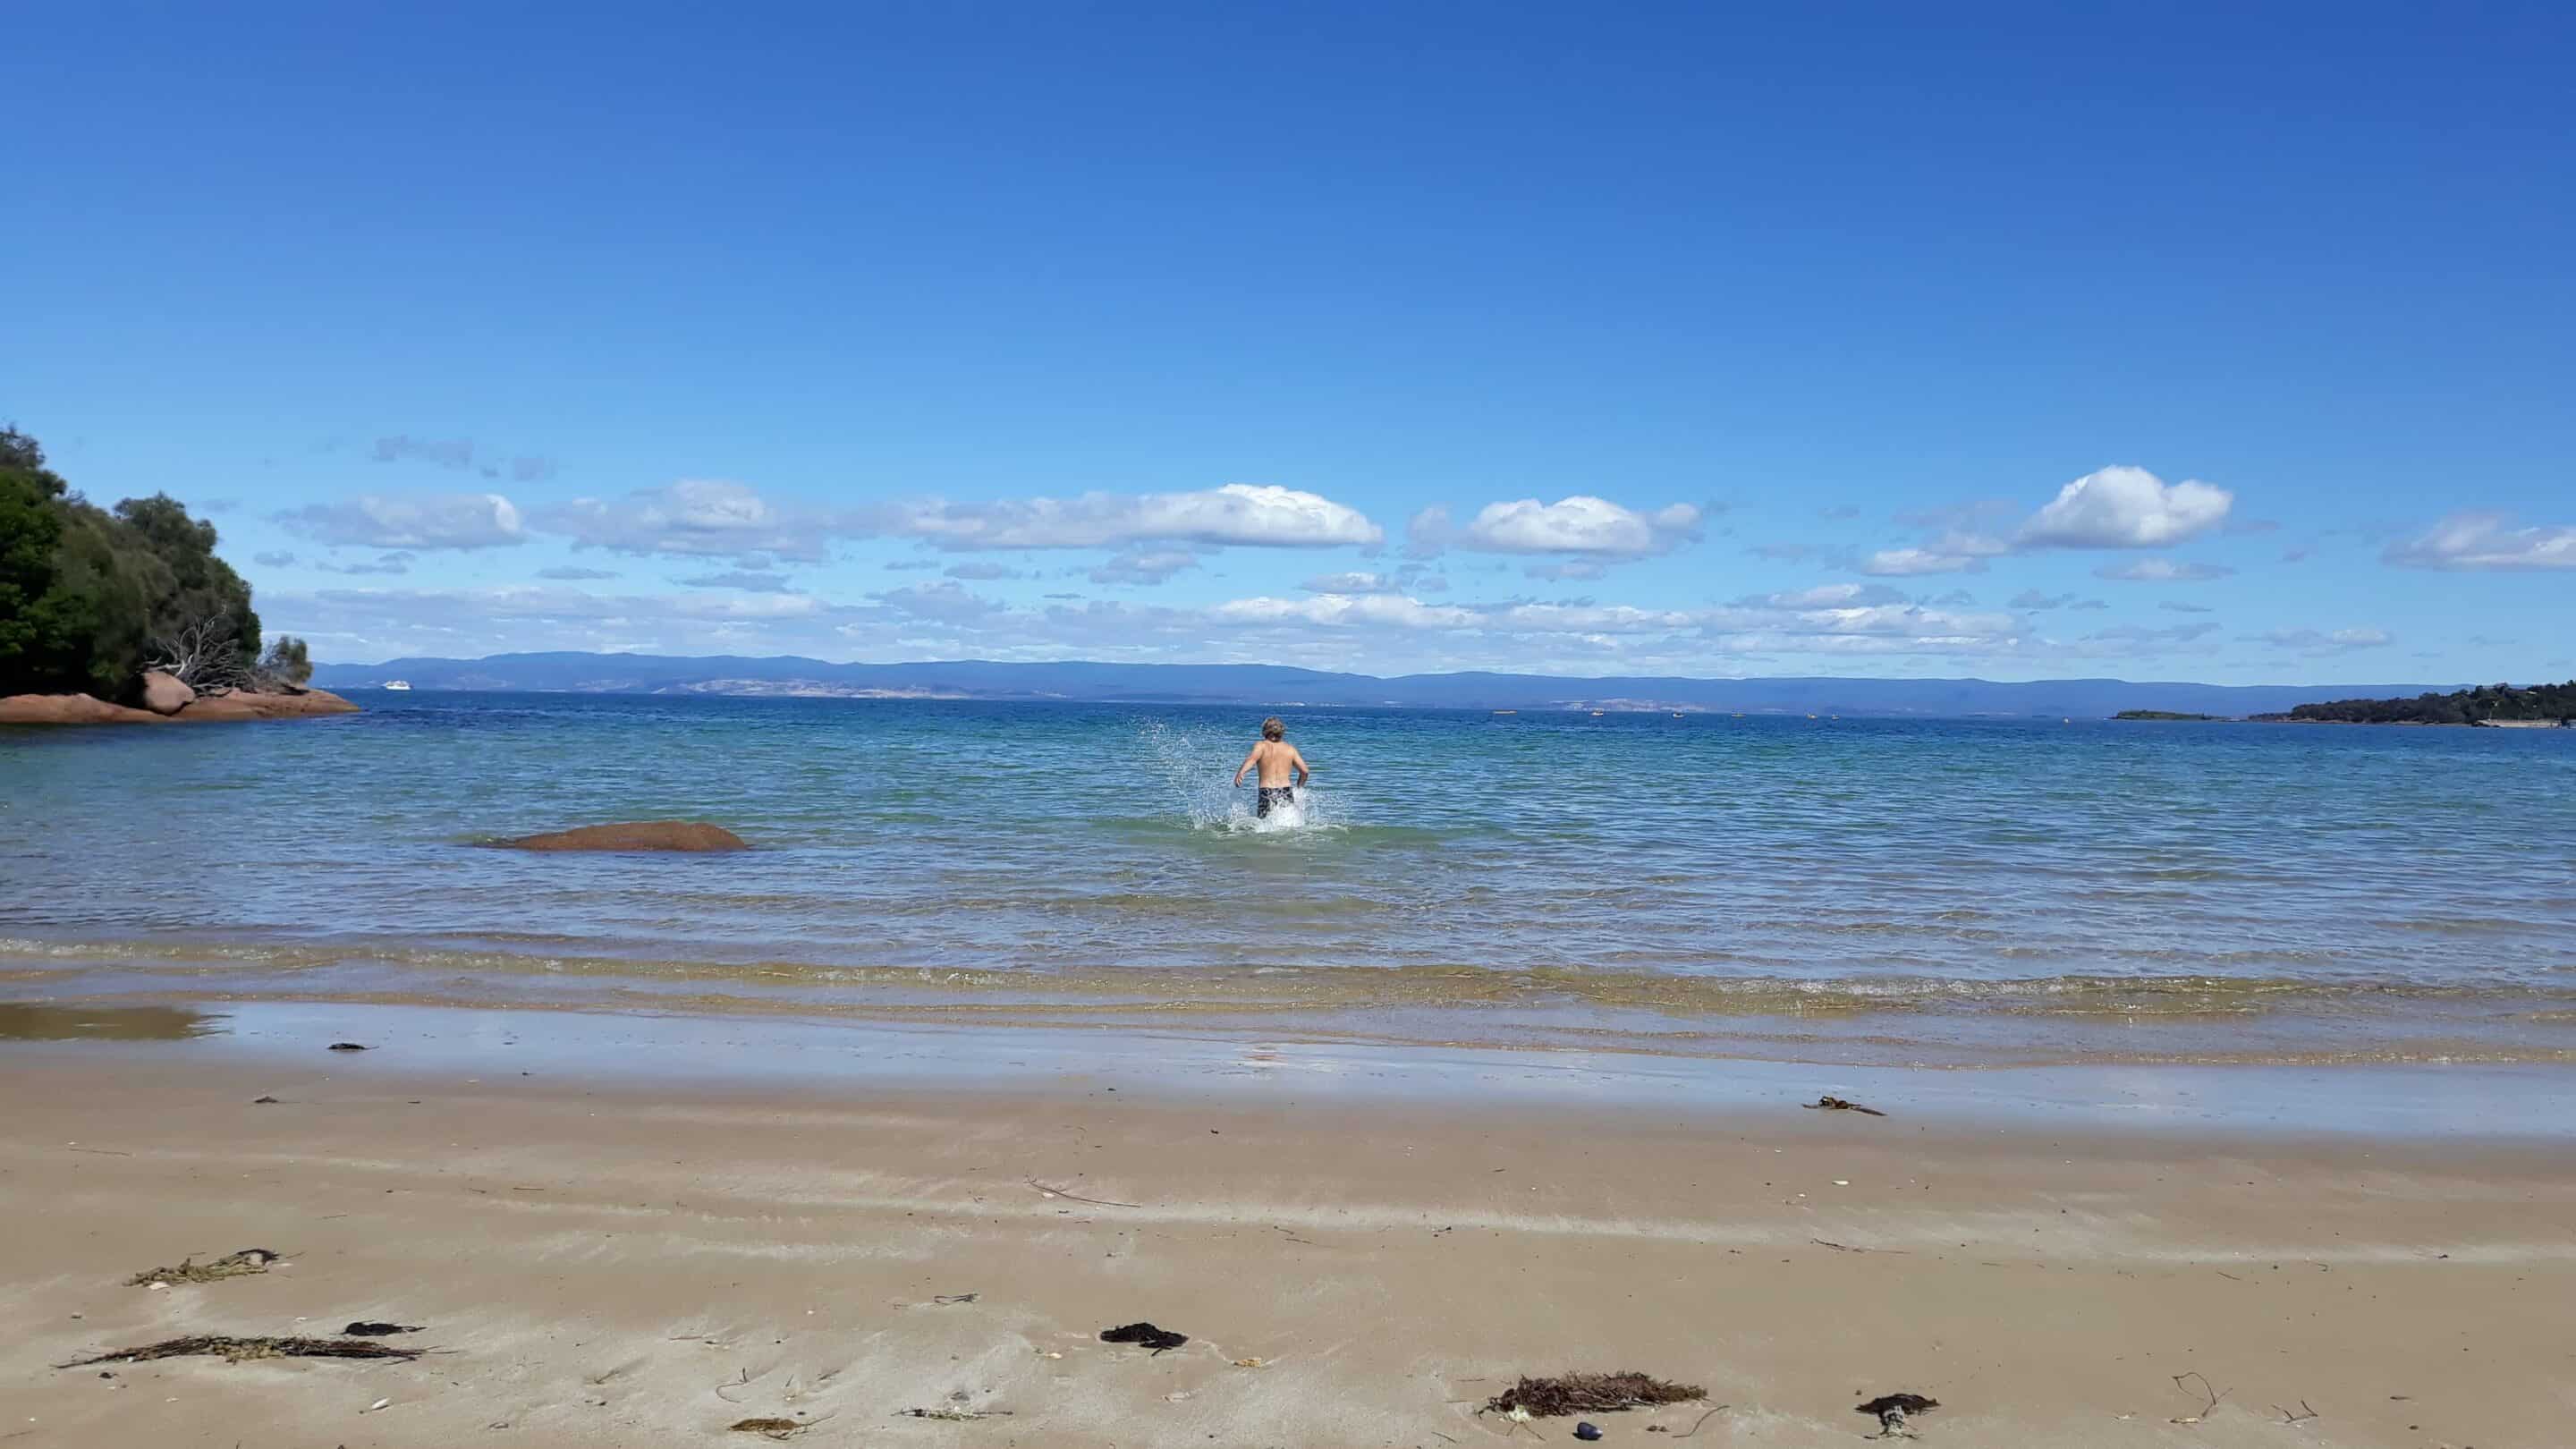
x: 93, y: 600
x: 2485, y: 705
x: 2169, y: 715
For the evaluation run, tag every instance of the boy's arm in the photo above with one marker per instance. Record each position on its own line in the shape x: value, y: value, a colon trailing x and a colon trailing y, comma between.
x: 1299, y: 760
x: 1248, y: 762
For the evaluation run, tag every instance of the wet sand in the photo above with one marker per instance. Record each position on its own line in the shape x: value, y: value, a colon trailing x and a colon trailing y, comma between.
x: 617, y: 1261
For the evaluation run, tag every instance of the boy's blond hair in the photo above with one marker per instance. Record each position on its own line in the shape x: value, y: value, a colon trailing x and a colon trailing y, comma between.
x: 1273, y: 729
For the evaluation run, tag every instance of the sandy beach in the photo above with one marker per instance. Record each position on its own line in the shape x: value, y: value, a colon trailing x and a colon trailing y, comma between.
x: 620, y: 1262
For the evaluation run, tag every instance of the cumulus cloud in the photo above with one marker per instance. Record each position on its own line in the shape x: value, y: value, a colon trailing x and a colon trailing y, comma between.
x: 1581, y: 524
x: 751, y: 580
x: 2485, y: 541
x: 391, y: 563
x: 694, y: 517
x: 2126, y: 508
x: 1144, y: 567
x: 567, y: 574
x: 2312, y: 641
x: 2162, y: 571
x: 2141, y: 634
x: 1333, y: 610
x: 417, y: 520
x: 1827, y: 596
x: 1428, y: 533
x: 273, y: 560
x: 449, y: 453
x: 1572, y: 570
x: 1350, y: 583
x: 1906, y: 562
x: 1238, y: 514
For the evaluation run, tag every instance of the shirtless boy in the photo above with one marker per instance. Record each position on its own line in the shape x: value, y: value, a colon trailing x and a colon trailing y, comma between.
x: 1280, y: 766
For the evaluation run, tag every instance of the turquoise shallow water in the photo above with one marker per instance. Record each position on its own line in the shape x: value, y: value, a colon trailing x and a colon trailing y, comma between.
x: 1997, y: 886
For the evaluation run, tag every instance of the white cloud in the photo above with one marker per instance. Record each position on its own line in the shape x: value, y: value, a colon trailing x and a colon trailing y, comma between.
x: 1576, y: 570
x: 982, y: 571
x: 416, y: 520
x: 745, y: 579
x: 694, y: 517
x: 1352, y: 583
x: 2126, y: 508
x: 2162, y: 571
x: 2486, y: 541
x: 1581, y: 524
x: 1142, y: 567
x: 1428, y: 532
x: 1337, y: 610
x: 575, y: 575
x: 2311, y: 641
x: 1907, y: 562
x: 1237, y: 514
x: 1825, y: 596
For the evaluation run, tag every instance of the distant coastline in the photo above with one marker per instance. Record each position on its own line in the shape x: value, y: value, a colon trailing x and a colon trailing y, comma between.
x: 1276, y: 686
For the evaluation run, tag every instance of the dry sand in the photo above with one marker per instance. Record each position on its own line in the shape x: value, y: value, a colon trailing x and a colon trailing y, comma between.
x: 604, y: 1265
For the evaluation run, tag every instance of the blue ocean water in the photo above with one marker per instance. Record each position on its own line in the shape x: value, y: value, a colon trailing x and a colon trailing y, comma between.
x: 1891, y: 886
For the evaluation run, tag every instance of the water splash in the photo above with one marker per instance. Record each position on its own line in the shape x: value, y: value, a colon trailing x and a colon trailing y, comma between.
x: 1196, y: 767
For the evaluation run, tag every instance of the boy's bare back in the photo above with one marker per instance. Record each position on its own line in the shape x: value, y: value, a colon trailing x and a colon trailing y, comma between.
x: 1280, y: 766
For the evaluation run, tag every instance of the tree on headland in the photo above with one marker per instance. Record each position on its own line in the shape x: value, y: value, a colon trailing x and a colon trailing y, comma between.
x: 86, y: 594
x: 2468, y: 706
x: 288, y: 662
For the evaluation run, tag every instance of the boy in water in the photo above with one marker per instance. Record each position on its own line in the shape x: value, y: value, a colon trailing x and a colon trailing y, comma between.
x: 1280, y: 766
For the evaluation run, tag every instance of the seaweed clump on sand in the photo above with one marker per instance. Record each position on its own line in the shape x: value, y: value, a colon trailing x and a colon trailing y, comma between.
x: 237, y: 1350
x: 230, y: 1265
x: 1160, y: 1340
x: 1589, y: 1394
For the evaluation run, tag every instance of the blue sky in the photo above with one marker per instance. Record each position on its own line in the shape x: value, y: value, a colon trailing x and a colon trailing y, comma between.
x: 2228, y: 343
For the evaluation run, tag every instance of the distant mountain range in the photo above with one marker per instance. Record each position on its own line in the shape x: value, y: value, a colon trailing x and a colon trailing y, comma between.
x: 1273, y: 685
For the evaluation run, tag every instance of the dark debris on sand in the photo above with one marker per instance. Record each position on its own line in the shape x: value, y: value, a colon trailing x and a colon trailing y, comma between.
x: 1838, y: 1104
x: 369, y: 1328
x: 1590, y: 1394
x: 237, y: 1350
x: 1160, y: 1340
x: 1892, y: 1410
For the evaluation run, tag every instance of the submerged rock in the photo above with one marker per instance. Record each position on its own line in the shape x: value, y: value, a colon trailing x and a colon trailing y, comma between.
x: 680, y: 835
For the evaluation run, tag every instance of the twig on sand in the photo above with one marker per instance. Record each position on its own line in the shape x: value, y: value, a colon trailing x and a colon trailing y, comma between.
x: 1848, y: 1248
x: 2305, y: 1413
x: 2207, y: 1390
x: 237, y: 1350
x: 1053, y: 1191
x: 781, y: 1430
x: 1704, y: 1418
x: 740, y: 1381
x: 953, y: 1416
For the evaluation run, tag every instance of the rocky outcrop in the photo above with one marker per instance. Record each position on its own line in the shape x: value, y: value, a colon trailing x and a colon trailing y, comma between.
x: 49, y: 709
x: 243, y: 705
x: 680, y: 835
x: 238, y: 705
x: 164, y: 694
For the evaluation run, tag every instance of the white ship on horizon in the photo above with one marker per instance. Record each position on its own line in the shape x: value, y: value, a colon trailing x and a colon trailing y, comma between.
x: 397, y: 684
